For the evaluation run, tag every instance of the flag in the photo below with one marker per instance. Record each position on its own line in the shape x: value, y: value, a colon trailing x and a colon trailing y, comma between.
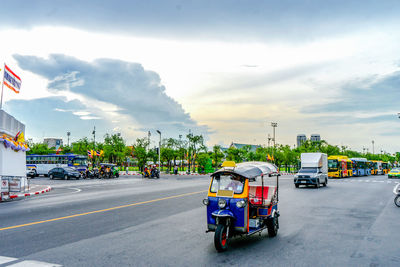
x: 272, y: 158
x: 98, y: 153
x: 268, y: 157
x: 89, y: 153
x: 101, y: 153
x: 11, y: 80
x: 58, y: 151
x: 21, y: 137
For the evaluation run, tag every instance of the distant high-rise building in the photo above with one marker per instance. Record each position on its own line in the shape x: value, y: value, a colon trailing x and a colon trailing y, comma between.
x: 301, y: 138
x: 53, y: 142
x: 315, y: 138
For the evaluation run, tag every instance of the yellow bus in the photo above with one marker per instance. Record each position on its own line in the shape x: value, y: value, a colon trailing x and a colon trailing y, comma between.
x: 339, y: 167
x: 376, y: 167
x: 385, y: 168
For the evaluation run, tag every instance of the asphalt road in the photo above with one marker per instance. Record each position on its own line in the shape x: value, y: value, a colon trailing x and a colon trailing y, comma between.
x: 134, y: 222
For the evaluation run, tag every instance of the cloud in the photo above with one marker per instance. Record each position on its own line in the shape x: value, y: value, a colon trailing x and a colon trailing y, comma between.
x: 222, y: 19
x: 52, y: 117
x: 134, y: 95
x: 377, y: 94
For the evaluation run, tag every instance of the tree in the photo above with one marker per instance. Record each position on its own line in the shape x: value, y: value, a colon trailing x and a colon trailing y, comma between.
x: 202, y: 160
x: 114, y: 148
x: 196, y: 144
x: 81, y: 146
x: 217, y: 155
x: 140, y: 152
x: 39, y: 149
x: 167, y: 151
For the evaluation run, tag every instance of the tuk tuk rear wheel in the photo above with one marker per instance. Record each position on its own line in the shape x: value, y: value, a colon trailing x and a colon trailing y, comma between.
x: 221, y: 238
x: 273, y: 226
x: 397, y: 201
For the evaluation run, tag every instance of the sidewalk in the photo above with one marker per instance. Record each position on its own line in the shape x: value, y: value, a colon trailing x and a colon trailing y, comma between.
x: 33, y: 190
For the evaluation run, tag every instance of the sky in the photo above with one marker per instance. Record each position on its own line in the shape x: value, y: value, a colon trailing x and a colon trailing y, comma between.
x: 223, y: 69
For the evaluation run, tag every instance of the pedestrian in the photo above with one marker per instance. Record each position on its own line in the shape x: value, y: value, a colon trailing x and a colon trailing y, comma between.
x: 176, y: 170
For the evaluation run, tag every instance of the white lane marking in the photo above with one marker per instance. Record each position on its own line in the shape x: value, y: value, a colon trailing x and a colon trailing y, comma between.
x: 77, y: 190
x: 6, y: 259
x: 34, y: 264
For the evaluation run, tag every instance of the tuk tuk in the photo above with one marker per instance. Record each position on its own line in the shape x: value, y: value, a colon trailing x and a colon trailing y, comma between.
x: 234, y: 207
x: 108, y: 170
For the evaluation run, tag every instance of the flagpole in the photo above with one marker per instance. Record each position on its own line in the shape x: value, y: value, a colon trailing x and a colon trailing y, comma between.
x: 2, y: 87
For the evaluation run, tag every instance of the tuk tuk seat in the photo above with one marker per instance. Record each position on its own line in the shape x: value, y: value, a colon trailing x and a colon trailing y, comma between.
x: 255, y: 195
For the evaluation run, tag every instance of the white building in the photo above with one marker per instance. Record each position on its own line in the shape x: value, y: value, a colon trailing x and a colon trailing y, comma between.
x: 53, y: 142
x: 12, y: 156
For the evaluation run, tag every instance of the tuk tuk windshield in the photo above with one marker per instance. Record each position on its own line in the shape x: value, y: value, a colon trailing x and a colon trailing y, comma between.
x: 227, y: 182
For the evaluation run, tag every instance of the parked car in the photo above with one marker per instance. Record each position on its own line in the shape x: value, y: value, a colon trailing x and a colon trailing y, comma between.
x: 64, y: 172
x: 31, y: 172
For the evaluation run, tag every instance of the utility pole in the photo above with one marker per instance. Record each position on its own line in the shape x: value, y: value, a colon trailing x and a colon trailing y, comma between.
x: 274, y: 125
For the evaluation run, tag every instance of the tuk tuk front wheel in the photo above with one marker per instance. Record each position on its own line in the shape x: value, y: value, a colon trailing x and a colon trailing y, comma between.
x: 397, y: 201
x: 273, y: 226
x: 221, y: 238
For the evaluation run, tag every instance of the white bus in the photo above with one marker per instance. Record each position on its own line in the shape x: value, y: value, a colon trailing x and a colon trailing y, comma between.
x: 42, y: 164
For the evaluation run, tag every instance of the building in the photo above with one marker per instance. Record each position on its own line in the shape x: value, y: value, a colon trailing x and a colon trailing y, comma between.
x: 301, y: 138
x: 53, y: 142
x: 315, y: 138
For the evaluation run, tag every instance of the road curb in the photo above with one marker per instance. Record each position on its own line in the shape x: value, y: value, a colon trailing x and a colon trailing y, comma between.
x: 15, y: 196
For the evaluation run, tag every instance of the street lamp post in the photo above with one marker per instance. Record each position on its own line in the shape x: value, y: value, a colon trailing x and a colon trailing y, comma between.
x: 373, y: 147
x: 274, y: 125
x: 148, y: 138
x: 180, y: 149
x: 68, y: 134
x: 94, y: 143
x: 159, y: 153
x: 188, y: 153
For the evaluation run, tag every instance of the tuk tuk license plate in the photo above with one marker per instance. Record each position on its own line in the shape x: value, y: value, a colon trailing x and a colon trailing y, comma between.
x: 303, y: 182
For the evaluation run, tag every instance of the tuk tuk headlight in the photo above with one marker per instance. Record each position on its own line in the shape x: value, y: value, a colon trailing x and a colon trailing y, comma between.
x: 206, y: 202
x: 221, y: 203
x: 241, y: 203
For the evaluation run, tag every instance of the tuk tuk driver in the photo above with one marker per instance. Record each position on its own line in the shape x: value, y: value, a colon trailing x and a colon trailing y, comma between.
x: 236, y: 184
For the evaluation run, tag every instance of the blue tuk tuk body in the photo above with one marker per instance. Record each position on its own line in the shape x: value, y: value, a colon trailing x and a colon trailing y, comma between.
x: 235, y: 207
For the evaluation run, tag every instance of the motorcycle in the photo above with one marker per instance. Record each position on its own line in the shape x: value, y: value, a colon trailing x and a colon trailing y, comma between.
x: 146, y: 173
x: 92, y: 174
x: 83, y: 174
x: 396, y: 191
x: 155, y: 173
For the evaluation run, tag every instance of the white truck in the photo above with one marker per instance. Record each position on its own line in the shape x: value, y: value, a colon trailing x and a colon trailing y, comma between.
x: 314, y: 170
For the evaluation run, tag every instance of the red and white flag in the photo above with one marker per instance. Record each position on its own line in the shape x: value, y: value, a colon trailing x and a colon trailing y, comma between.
x: 11, y: 80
